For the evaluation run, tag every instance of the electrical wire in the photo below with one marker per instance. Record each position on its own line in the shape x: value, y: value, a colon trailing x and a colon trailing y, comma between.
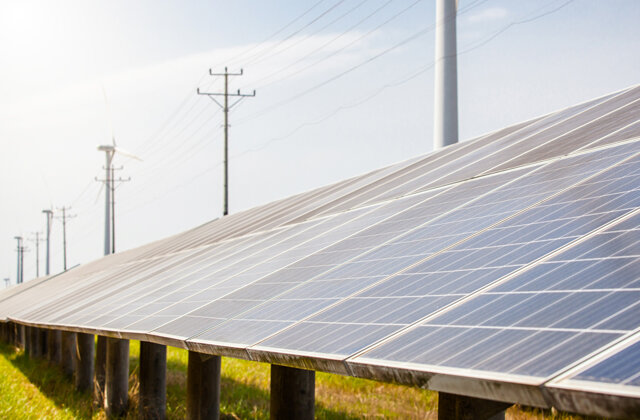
x: 340, y: 75
x: 323, y: 46
x: 404, y: 79
x: 293, y: 34
x: 160, y: 132
x: 369, y: 97
x: 311, y: 34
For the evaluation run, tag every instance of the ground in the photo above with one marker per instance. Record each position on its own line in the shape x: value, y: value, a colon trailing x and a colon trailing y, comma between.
x: 33, y: 389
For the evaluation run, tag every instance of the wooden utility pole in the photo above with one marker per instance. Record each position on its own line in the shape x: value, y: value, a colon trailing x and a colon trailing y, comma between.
x: 37, y: 239
x: 64, y: 218
x: 225, y: 108
x: 49, y: 214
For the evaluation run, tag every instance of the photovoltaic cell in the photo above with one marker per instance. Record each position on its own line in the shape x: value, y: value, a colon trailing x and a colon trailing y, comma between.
x: 582, y: 136
x: 177, y: 287
x: 555, y: 313
x: 451, y: 274
x: 628, y: 132
x: 574, y: 118
x: 302, y: 276
x: 287, y: 271
x: 621, y: 368
x: 414, y: 176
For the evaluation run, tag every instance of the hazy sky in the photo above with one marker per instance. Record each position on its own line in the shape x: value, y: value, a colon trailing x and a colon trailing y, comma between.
x: 343, y: 87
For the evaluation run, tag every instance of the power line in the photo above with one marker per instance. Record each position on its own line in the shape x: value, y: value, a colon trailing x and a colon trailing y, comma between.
x: 232, y: 60
x: 189, y: 95
x: 253, y: 60
x: 407, y: 78
x: 369, y: 97
x: 323, y: 46
x: 309, y: 35
x: 385, y: 22
x: 405, y: 41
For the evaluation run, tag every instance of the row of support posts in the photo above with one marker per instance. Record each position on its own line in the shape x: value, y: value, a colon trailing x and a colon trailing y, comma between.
x: 292, y: 390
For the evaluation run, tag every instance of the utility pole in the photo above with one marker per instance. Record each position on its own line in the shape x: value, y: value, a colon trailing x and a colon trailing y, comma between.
x: 445, y: 118
x: 18, y: 252
x: 49, y: 214
x: 225, y: 108
x: 64, y: 218
x: 37, y: 241
x: 20, y: 249
x: 110, y: 214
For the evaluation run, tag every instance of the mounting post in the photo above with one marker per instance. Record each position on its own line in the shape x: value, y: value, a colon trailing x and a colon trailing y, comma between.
x: 54, y: 345
x: 116, y: 397
x: 203, y: 386
x: 100, y: 371
x: 292, y: 393
x: 457, y: 407
x: 68, y: 352
x: 153, y: 381
x: 84, y: 361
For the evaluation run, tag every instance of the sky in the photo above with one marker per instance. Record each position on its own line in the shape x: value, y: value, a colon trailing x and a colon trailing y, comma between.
x: 343, y: 87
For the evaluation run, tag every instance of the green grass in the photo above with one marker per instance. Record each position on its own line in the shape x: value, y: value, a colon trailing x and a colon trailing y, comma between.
x: 33, y: 389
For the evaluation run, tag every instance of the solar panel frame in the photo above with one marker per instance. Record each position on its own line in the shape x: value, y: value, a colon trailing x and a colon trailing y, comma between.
x: 570, y: 392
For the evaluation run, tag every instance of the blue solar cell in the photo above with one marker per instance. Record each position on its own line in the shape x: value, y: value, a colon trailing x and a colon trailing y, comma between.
x: 621, y: 368
x: 552, y: 308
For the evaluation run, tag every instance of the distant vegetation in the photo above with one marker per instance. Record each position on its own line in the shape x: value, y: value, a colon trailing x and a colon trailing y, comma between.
x: 32, y: 389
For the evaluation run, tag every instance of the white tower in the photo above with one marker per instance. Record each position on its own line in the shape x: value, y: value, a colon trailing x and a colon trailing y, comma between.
x: 445, y: 121
x: 109, y: 152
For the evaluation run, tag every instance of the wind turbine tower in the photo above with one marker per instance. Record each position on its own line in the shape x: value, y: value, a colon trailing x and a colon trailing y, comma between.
x: 445, y: 121
x: 109, y: 152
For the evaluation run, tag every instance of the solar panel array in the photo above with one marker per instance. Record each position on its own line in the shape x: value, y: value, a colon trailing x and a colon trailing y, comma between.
x: 505, y: 267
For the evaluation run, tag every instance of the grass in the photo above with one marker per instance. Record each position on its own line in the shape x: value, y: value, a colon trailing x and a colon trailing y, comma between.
x: 34, y: 389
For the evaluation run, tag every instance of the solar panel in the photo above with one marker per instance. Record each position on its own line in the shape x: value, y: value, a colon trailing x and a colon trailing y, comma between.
x: 554, y: 126
x: 512, y: 259
x: 399, y: 183
x: 591, y: 132
x: 110, y: 308
x: 451, y: 274
x: 549, y: 317
x: 157, y: 291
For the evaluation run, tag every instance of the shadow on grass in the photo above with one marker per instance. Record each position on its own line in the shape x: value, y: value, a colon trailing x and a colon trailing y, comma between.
x: 238, y: 400
x: 51, y: 381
